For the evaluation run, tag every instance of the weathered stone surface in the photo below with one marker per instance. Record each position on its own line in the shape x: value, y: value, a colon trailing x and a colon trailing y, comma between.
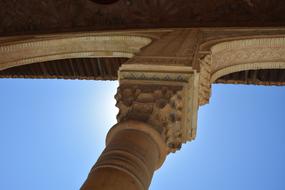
x: 165, y: 97
x: 133, y: 152
x: 158, y: 105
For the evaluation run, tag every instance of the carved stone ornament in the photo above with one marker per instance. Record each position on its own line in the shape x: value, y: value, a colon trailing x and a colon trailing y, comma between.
x: 205, y: 79
x: 166, y: 97
x: 34, y: 49
x: 240, y: 55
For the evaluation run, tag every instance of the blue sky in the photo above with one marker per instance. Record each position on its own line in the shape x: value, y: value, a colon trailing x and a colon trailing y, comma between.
x: 52, y: 132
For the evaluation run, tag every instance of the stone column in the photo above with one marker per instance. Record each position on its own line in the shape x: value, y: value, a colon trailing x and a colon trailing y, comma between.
x: 157, y: 114
x: 134, y: 151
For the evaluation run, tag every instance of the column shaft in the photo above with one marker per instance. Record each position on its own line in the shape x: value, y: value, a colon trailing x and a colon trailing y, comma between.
x: 128, y: 161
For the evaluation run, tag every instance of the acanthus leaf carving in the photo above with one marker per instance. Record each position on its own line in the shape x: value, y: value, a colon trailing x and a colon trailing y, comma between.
x: 165, y: 97
x: 160, y: 106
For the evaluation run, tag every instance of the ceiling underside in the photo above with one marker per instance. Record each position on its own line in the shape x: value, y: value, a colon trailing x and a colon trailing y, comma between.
x: 257, y: 77
x: 45, y: 16
x: 83, y: 68
x: 107, y: 69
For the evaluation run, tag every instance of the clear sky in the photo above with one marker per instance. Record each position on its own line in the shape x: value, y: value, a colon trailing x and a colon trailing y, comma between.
x: 52, y: 132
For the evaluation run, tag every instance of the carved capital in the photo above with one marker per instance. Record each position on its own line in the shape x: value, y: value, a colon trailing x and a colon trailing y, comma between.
x: 165, y: 97
x: 160, y: 106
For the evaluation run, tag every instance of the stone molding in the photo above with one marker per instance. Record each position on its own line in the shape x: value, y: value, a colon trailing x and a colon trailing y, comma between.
x: 160, y: 60
x: 16, y: 52
x: 241, y: 55
x: 155, y: 72
x: 205, y: 79
x: 232, y: 50
x: 166, y: 97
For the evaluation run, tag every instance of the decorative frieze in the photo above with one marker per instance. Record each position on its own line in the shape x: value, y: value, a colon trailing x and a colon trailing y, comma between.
x: 156, y: 60
x: 54, y: 47
x: 239, y: 55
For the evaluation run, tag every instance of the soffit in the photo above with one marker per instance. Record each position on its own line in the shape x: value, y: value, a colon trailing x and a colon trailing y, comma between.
x: 45, y: 16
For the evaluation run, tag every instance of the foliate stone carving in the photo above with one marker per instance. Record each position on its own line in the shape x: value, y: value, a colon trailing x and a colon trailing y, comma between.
x: 205, y: 80
x: 158, y: 105
x: 164, y: 97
